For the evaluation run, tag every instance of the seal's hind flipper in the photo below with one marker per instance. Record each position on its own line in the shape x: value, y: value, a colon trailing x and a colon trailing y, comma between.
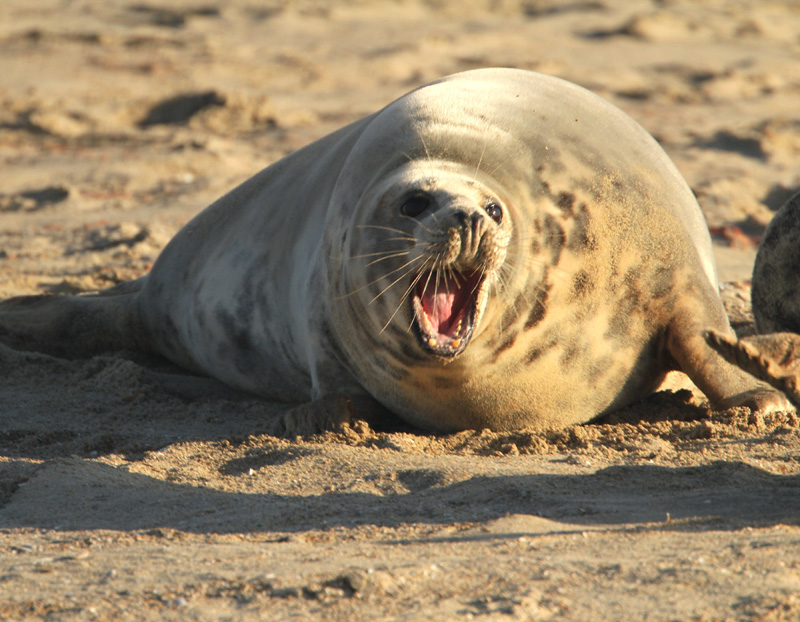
x: 724, y: 383
x: 73, y: 326
x: 773, y: 358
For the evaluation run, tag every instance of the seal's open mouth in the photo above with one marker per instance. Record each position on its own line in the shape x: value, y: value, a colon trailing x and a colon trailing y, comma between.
x: 444, y: 310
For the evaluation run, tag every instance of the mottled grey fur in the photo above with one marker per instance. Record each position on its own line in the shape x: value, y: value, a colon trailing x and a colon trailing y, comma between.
x: 776, y: 274
x: 598, y: 279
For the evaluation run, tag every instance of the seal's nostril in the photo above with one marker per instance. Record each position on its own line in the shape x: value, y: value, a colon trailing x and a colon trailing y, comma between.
x: 477, y: 221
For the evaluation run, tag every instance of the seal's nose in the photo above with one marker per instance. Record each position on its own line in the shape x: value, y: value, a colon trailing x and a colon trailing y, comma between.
x: 477, y: 223
x: 472, y: 229
x: 464, y: 219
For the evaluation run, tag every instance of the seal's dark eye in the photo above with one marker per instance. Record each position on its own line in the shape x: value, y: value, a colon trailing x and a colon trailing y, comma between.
x: 416, y: 203
x: 495, y: 211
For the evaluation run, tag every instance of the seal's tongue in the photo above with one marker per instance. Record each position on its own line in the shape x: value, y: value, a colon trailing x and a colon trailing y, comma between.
x: 442, y: 302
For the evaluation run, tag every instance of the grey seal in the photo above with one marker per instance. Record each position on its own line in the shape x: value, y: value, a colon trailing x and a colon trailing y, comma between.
x: 774, y: 354
x: 776, y: 273
x: 497, y: 249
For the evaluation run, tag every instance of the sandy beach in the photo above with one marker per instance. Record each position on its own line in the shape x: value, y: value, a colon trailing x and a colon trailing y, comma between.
x: 122, y: 499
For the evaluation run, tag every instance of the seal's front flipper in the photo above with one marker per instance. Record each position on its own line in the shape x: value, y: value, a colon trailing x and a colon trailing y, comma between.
x: 330, y: 413
x: 327, y: 414
x: 724, y: 384
x: 773, y: 358
x: 73, y: 326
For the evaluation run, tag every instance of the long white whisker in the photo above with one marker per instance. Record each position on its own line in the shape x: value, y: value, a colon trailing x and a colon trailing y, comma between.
x: 480, y: 280
x: 363, y: 287
x: 427, y: 282
x: 375, y: 254
x: 435, y: 219
x: 436, y: 284
x: 385, y: 289
x: 403, y: 298
x: 392, y: 229
x: 428, y: 157
x: 480, y: 160
x: 379, y: 259
x: 501, y: 164
x: 418, y: 223
x: 398, y: 239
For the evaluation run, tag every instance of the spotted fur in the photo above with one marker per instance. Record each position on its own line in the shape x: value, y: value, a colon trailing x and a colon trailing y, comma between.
x: 776, y: 274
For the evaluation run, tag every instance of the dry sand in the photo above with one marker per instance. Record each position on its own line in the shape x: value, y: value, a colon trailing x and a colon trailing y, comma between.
x: 121, y: 499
